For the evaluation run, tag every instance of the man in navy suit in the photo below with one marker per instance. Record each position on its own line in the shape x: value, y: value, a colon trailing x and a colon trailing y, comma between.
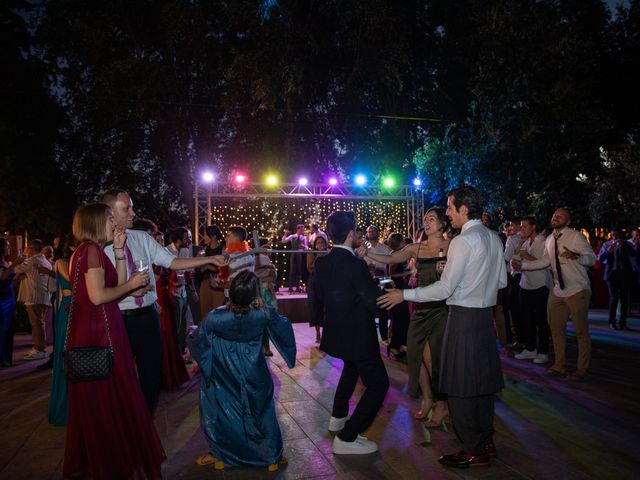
x: 347, y: 293
x: 616, y: 254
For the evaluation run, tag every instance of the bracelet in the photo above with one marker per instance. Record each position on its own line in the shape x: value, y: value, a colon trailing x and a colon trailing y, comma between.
x: 120, y: 258
x: 118, y: 248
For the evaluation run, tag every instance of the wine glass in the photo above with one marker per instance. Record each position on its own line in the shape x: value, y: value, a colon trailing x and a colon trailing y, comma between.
x: 141, y: 265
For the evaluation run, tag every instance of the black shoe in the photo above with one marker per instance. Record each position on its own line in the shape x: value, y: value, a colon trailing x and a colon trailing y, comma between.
x: 48, y: 365
x: 613, y: 326
x: 624, y: 326
x: 465, y: 460
x: 490, y: 448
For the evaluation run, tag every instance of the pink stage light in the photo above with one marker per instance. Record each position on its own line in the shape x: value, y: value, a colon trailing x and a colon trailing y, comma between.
x: 240, y: 178
x: 333, y: 181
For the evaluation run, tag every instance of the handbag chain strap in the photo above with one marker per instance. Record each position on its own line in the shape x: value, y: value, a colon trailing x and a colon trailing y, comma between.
x: 73, y: 300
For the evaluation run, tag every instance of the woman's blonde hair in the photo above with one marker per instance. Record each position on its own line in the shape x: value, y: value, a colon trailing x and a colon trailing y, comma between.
x: 89, y: 223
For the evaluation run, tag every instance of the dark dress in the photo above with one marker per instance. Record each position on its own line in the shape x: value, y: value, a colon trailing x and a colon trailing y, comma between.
x: 427, y: 325
x: 210, y: 297
x: 237, y: 410
x: 316, y: 316
x: 174, y: 372
x: 400, y: 313
x: 7, y: 311
x: 110, y: 433
x: 58, y: 399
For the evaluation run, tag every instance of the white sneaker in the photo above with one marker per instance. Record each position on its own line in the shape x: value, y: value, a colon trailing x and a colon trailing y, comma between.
x: 541, y: 358
x: 526, y: 355
x: 337, y: 424
x: 360, y: 446
x: 35, y: 355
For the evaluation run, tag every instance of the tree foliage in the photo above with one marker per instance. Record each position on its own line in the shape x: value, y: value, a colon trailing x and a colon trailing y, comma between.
x: 521, y: 94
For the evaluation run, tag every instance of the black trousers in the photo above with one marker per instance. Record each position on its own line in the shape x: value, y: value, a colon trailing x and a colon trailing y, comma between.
x: 512, y: 311
x: 400, y: 318
x: 472, y: 419
x: 619, y: 284
x: 534, y: 319
x: 143, y: 329
x: 376, y: 381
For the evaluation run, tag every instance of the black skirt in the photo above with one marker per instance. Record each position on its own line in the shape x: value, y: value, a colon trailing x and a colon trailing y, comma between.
x: 470, y: 364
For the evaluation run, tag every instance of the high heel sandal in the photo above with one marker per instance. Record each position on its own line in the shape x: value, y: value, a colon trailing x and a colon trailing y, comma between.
x: 442, y: 424
x: 208, y: 459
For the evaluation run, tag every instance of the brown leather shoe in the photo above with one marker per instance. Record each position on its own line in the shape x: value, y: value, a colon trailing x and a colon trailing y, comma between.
x: 464, y: 460
x: 490, y: 448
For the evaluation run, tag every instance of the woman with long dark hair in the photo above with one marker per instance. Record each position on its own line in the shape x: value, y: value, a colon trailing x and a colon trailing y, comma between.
x: 211, y: 294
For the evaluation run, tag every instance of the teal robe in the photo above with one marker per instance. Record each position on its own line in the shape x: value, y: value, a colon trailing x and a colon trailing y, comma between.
x: 237, y: 409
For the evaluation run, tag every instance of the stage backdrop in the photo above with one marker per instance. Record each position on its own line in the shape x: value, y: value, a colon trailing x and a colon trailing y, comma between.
x: 272, y: 216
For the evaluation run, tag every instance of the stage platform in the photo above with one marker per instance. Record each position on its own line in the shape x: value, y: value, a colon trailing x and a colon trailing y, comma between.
x: 293, y: 306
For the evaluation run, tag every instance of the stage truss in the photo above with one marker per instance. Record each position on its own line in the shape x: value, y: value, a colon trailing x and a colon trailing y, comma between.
x: 207, y: 195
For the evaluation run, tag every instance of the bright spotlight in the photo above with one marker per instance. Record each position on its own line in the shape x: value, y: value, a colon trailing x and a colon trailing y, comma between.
x: 388, y: 182
x: 360, y: 179
x: 417, y: 182
x: 303, y: 181
x: 272, y: 180
x: 240, y: 178
x: 208, y: 177
x: 333, y: 181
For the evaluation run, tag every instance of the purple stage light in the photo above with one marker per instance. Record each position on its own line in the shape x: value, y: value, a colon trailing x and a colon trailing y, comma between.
x: 208, y: 177
x: 303, y: 181
x: 333, y: 181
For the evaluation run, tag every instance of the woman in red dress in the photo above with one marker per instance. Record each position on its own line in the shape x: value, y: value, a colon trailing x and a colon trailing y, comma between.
x: 110, y: 433
x: 174, y: 372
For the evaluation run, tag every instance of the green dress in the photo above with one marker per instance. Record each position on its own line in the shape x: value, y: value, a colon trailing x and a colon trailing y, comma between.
x: 427, y: 325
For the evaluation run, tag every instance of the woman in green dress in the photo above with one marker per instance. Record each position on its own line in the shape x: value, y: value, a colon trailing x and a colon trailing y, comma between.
x: 426, y: 329
x: 58, y: 399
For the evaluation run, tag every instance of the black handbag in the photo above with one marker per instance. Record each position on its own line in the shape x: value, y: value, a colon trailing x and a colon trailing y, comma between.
x: 84, y: 364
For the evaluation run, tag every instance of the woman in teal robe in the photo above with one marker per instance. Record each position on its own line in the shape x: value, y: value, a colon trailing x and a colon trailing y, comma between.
x: 237, y: 409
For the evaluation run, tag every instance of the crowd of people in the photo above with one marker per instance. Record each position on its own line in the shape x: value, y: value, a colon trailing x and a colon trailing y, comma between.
x: 443, y: 301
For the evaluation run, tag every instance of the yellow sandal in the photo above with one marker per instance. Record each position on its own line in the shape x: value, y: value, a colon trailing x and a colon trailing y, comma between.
x: 275, y: 466
x: 208, y: 459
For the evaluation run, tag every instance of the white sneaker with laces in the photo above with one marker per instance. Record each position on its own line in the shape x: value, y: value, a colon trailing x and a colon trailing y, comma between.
x: 337, y: 424
x: 360, y: 446
x: 35, y: 355
x: 541, y: 358
x: 526, y: 355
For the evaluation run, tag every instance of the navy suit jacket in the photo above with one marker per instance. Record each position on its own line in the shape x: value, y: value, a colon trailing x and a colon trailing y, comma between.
x: 606, y: 256
x: 344, y: 290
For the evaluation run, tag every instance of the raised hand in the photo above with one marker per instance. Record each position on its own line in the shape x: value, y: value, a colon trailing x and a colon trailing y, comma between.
x: 119, y: 237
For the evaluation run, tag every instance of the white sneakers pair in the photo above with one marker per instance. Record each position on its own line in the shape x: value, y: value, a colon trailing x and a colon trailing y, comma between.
x: 35, y: 355
x: 360, y: 446
x: 532, y: 355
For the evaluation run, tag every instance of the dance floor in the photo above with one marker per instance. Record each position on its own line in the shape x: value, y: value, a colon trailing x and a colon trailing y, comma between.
x: 545, y: 428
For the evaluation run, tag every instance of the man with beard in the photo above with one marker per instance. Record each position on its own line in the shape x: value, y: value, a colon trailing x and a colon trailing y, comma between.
x: 470, y: 371
x: 345, y: 291
x: 569, y: 255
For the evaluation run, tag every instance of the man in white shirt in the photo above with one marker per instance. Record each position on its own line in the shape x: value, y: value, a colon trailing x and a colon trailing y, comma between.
x: 297, y: 265
x: 34, y: 294
x: 511, y: 299
x: 179, y: 247
x: 140, y: 315
x: 569, y: 255
x: 534, y: 293
x: 314, y: 233
x: 470, y: 370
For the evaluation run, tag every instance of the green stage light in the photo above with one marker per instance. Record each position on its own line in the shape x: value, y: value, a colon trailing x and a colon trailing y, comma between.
x: 389, y: 182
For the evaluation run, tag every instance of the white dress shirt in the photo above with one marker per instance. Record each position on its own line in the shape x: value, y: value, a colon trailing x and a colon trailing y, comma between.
x: 534, y: 279
x: 574, y: 272
x: 510, y: 247
x: 142, y: 247
x: 35, y: 287
x: 474, y: 272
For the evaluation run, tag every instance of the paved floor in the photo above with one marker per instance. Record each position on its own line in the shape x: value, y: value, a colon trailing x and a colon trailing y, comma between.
x: 544, y: 428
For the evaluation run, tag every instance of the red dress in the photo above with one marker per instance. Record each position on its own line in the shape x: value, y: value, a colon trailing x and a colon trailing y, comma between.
x: 110, y: 433
x: 174, y: 372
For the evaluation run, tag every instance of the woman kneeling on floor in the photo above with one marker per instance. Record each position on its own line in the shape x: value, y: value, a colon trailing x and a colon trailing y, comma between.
x: 237, y: 408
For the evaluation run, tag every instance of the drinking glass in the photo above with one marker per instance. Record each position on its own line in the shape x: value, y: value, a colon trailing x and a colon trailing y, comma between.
x: 141, y: 265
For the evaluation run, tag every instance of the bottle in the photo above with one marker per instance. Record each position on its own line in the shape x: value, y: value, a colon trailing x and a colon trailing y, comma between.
x: 441, y: 253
